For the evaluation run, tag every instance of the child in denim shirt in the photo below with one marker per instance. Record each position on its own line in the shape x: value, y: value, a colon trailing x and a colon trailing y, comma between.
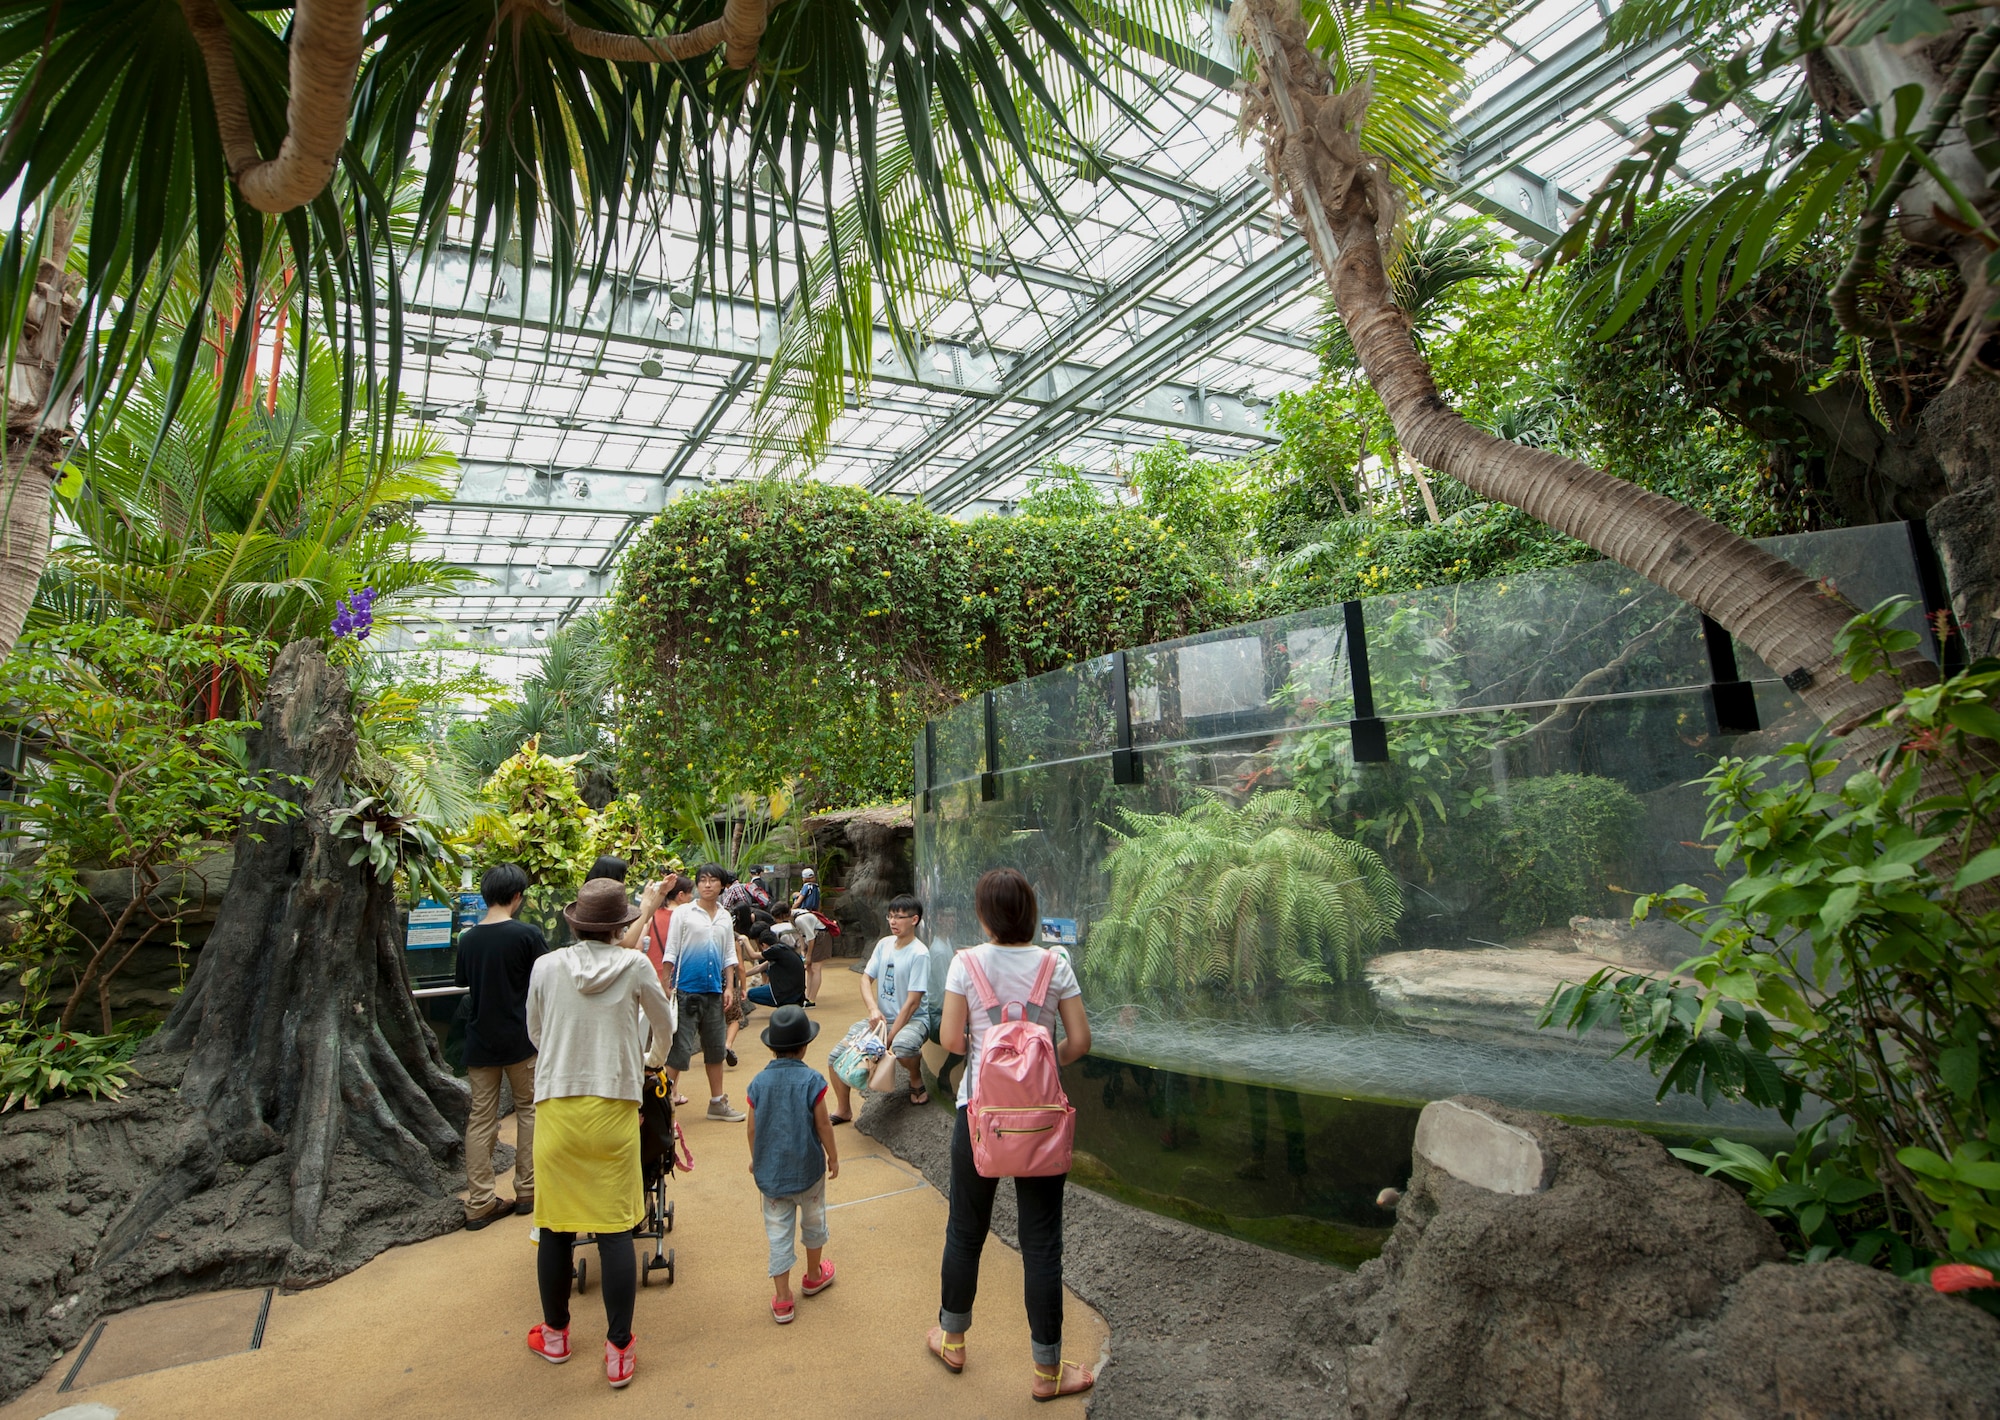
x: 792, y: 1155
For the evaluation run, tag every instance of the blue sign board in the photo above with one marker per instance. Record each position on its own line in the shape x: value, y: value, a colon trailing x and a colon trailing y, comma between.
x: 471, y: 907
x: 1059, y: 931
x: 430, y: 926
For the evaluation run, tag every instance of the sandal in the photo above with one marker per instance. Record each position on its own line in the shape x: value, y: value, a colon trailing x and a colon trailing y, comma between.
x: 920, y: 1096
x: 1069, y: 1378
x: 839, y: 1119
x: 680, y: 1101
x: 941, y: 1348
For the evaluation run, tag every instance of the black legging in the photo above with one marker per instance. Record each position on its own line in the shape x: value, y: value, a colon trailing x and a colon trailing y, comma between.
x: 1039, y: 1206
x: 618, y: 1272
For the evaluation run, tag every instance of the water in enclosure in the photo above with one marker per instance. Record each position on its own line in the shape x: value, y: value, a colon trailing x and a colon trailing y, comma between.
x: 1321, y: 869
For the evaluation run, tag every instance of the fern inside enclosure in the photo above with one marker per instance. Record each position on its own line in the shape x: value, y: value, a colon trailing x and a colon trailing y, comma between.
x: 1221, y: 895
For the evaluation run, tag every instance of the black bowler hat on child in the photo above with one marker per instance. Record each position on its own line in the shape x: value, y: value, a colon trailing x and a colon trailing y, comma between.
x: 790, y: 1028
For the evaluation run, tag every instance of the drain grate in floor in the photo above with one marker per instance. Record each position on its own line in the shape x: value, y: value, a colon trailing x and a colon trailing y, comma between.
x: 167, y: 1334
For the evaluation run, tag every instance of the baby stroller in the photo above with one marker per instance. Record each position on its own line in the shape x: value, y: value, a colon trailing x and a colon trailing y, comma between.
x: 656, y: 1166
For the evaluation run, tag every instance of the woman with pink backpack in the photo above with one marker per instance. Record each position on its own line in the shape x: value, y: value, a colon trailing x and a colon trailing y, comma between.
x: 1001, y: 1002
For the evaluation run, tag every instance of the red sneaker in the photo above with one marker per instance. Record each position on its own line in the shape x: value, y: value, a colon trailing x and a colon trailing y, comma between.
x: 812, y: 1288
x: 619, y: 1363
x: 548, y: 1343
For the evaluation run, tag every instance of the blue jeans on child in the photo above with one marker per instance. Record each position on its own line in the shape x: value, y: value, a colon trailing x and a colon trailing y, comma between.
x: 809, y: 1211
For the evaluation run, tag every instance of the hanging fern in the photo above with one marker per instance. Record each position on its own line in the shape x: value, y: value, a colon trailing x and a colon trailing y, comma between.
x: 1227, y: 896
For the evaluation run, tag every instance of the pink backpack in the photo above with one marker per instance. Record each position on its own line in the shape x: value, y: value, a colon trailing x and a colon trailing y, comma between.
x: 1023, y: 1125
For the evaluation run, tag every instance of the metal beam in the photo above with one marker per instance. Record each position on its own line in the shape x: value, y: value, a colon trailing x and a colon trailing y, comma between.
x: 1559, y: 86
x: 651, y: 316
x: 1227, y: 307
x: 1036, y: 373
x: 526, y: 579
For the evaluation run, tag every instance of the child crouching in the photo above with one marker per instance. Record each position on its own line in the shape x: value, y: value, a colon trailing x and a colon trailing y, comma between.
x: 792, y: 1155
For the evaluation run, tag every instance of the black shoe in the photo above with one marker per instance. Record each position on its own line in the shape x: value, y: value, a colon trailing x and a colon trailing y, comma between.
x: 808, y: 1003
x: 496, y: 1210
x: 729, y: 1058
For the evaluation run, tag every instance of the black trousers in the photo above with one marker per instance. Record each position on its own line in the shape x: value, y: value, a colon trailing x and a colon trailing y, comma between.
x: 1039, y: 1202
x: 618, y: 1273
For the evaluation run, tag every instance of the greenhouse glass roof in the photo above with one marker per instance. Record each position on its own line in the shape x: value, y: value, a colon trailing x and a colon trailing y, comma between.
x: 1172, y: 306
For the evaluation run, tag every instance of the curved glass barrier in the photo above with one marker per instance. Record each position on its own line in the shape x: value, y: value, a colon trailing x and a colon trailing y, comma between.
x: 1322, y: 869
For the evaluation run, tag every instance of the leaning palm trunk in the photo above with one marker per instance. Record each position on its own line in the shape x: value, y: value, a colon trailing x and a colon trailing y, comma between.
x: 1342, y: 200
x: 326, y: 45
x: 37, y: 431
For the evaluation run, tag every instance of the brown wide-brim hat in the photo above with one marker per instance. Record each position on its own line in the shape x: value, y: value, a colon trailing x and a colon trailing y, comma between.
x: 601, y: 906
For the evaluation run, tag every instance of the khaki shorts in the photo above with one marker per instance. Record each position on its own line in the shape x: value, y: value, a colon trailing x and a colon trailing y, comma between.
x: 819, y: 941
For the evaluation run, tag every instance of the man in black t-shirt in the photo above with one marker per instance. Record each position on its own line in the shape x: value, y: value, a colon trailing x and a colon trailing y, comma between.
x: 495, y: 960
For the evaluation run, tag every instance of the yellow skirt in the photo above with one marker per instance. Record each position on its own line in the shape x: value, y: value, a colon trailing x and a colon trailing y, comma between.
x: 587, y: 1176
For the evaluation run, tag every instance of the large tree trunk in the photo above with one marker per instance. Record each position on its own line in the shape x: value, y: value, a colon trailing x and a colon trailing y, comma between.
x: 1343, y: 202
x: 37, y: 432
x: 306, y: 1063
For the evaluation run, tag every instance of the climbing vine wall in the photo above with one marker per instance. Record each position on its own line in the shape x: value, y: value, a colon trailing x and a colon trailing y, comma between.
x: 801, y: 631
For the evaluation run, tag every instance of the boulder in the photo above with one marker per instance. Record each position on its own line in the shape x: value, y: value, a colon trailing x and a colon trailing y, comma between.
x: 870, y: 857
x: 1628, y: 1286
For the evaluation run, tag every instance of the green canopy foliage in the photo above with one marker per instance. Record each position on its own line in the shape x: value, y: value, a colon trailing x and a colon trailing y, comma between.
x: 803, y: 632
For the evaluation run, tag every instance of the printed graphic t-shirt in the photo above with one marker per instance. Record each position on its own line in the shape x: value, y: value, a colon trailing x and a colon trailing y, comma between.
x: 896, y: 972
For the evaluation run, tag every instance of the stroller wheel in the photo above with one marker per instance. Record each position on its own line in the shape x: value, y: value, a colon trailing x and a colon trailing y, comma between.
x: 646, y: 1274
x: 670, y: 1267
x: 582, y: 1276
x: 670, y: 1217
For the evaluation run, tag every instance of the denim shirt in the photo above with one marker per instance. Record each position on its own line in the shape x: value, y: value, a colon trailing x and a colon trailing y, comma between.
x: 786, y: 1157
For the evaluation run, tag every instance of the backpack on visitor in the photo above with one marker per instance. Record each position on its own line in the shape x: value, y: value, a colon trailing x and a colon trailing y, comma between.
x: 1022, y: 1124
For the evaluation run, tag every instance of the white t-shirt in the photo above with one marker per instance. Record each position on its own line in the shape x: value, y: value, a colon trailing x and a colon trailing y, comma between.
x: 896, y: 972
x: 1011, y: 971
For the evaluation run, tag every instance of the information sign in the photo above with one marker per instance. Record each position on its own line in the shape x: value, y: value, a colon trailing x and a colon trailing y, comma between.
x: 430, y: 926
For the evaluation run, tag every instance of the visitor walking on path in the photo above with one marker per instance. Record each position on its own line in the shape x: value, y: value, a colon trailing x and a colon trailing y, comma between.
x: 700, y: 951
x: 895, y: 987
x: 1012, y: 965
x: 495, y: 959
x: 815, y: 942
x: 792, y: 1155
x: 581, y: 1002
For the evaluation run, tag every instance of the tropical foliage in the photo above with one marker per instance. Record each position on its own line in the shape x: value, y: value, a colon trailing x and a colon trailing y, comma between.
x: 1856, y: 959
x: 564, y: 704
x: 804, y: 632
x: 1242, y: 897
x: 543, y: 823
x: 129, y: 774
x: 267, y: 531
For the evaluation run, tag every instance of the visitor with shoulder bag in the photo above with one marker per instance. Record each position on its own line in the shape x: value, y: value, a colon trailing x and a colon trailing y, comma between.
x: 1002, y: 1000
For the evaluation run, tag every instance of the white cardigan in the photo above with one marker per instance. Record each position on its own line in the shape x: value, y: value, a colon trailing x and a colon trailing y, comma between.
x: 582, y: 1019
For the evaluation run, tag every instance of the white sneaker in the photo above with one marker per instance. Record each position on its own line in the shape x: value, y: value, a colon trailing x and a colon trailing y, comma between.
x: 719, y: 1109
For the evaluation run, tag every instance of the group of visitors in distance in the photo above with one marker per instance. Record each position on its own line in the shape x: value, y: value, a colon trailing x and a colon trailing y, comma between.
x: 578, y: 1032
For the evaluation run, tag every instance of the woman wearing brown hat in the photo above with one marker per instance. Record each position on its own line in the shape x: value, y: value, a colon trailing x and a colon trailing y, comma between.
x: 581, y: 1018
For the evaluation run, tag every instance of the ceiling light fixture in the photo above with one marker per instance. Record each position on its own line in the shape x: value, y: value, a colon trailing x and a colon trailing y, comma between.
x: 652, y: 369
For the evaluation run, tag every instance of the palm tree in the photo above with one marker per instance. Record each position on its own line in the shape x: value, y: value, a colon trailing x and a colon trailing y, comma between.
x: 1346, y: 201
x: 267, y: 533
x: 208, y: 152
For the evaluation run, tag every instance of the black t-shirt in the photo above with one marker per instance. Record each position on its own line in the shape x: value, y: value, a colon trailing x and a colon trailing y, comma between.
x: 495, y: 960
x: 788, y: 973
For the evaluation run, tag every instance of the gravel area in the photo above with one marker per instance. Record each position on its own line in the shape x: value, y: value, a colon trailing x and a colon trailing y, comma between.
x: 1203, y: 1327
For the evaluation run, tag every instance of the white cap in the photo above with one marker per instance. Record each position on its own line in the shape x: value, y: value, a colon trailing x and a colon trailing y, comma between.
x: 807, y: 874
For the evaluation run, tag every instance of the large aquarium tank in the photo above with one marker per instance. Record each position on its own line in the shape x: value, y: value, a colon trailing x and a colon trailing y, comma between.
x: 1317, y: 871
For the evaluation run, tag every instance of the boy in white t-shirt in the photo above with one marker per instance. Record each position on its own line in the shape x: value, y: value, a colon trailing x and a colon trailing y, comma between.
x: 895, y: 987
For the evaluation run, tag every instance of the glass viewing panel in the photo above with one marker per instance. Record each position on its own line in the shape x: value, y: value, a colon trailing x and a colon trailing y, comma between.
x: 1257, y: 1064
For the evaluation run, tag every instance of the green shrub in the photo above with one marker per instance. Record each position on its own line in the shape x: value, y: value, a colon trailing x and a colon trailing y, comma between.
x: 1239, y: 897
x: 1556, y: 841
x: 1857, y: 960
x: 40, y: 1062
